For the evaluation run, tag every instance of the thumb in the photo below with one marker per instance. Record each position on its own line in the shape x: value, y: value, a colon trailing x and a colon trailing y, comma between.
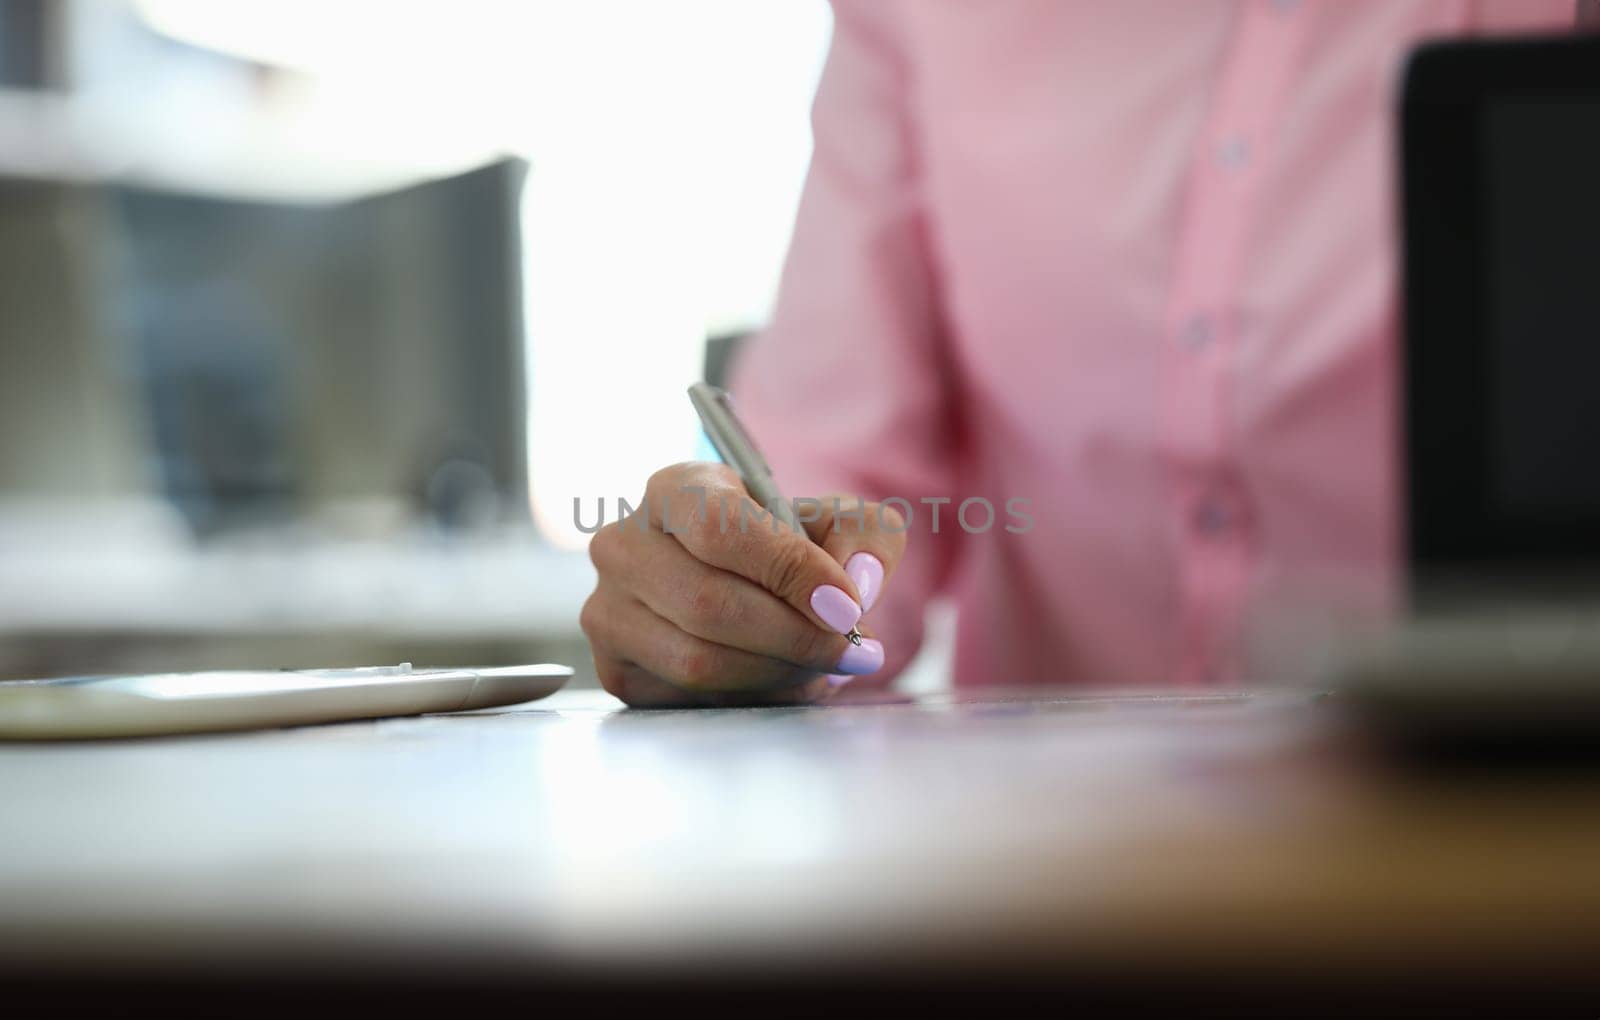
x: 867, y: 538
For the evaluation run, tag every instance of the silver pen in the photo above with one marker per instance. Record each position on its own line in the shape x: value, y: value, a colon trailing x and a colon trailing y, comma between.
x: 739, y: 452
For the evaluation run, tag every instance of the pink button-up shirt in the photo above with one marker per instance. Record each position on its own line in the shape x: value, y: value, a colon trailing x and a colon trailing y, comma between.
x: 1133, y: 263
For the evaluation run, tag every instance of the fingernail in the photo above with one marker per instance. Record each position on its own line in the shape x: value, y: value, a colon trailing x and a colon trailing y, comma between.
x: 836, y: 608
x: 839, y: 679
x: 866, y: 570
x: 867, y: 657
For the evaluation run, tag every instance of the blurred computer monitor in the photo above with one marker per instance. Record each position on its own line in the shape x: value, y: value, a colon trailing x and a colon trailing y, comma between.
x: 278, y: 360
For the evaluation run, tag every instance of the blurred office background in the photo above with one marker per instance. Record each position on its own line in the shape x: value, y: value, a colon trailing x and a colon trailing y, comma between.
x: 315, y: 315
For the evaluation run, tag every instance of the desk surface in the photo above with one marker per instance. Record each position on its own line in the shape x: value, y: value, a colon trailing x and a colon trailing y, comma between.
x: 1228, y: 834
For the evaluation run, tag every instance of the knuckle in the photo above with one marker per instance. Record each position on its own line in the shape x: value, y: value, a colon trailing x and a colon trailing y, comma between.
x: 787, y: 567
x: 672, y: 480
x: 603, y: 548
x: 665, y: 479
x: 718, y: 477
x: 708, y: 604
x: 888, y: 527
x: 889, y: 519
x: 589, y: 617
x: 703, y: 529
x: 696, y: 667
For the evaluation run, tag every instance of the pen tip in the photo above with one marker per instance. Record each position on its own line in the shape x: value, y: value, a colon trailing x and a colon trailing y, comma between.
x: 854, y: 637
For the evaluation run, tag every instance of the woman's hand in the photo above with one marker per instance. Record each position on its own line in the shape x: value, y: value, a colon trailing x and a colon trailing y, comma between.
x: 703, y: 600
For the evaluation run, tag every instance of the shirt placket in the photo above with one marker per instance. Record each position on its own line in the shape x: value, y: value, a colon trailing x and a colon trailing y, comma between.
x: 1216, y: 532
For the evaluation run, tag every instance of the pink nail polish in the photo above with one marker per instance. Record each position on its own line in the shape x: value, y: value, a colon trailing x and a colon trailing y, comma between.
x: 839, y: 679
x: 836, y: 609
x: 866, y: 571
x: 867, y: 657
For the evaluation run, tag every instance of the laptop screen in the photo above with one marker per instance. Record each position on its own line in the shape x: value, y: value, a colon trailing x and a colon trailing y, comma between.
x: 1501, y: 212
x: 1541, y: 245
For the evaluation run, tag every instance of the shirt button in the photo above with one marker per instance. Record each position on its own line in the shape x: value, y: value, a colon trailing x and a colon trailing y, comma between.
x: 1214, y: 517
x: 1234, y: 153
x: 1196, y: 333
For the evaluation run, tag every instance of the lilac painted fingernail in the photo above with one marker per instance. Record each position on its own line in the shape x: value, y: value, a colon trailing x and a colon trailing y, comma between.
x: 867, y: 657
x: 836, y: 609
x: 839, y: 679
x: 866, y: 570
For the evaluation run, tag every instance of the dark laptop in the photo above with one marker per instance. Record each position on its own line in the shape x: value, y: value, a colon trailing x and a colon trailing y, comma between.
x: 1501, y: 199
x: 1500, y: 168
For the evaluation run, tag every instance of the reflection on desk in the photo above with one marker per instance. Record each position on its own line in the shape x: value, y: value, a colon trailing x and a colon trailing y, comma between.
x: 1233, y: 837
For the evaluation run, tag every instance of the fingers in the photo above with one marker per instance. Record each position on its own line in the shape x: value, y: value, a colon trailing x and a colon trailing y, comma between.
x: 720, y: 607
x: 705, y: 508
x: 633, y: 643
x: 638, y: 689
x: 704, y: 599
x: 867, y: 538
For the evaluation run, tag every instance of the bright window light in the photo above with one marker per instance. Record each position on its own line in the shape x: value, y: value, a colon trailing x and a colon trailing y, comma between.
x: 668, y: 143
